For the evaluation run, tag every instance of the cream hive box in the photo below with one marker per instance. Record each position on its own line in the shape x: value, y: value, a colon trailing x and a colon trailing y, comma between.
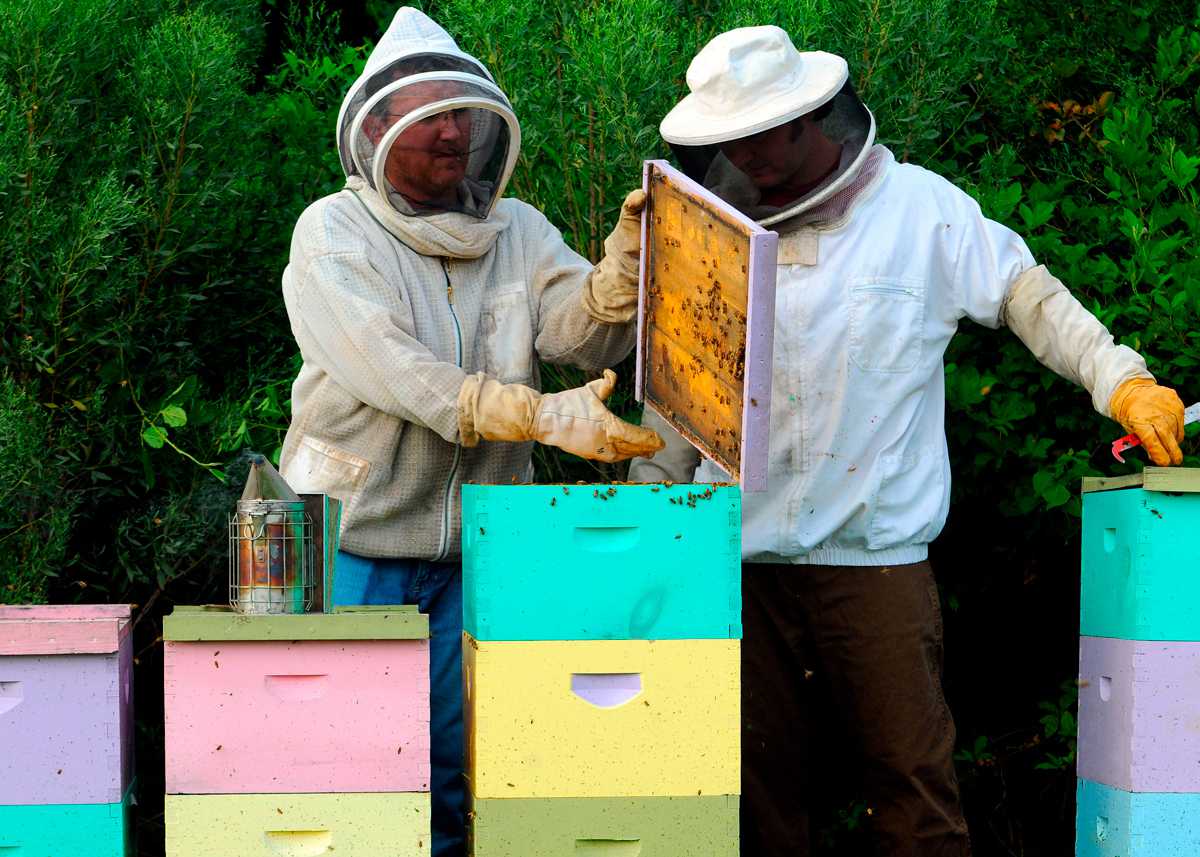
x: 298, y: 825
x: 606, y: 827
x: 591, y: 718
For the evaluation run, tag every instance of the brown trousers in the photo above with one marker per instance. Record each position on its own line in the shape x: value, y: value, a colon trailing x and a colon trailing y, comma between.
x: 874, y: 637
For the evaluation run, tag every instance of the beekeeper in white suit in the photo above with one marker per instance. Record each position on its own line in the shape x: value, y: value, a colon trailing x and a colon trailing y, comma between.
x: 422, y: 301
x: 878, y: 262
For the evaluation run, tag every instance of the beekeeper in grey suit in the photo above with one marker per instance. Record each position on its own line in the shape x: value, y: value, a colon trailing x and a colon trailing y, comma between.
x: 422, y: 302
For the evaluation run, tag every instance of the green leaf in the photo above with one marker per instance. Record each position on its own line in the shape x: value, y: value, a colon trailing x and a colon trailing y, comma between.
x: 174, y: 416
x: 1057, y: 496
x: 154, y: 436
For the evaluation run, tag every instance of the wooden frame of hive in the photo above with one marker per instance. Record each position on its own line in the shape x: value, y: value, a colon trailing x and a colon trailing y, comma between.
x: 706, y: 322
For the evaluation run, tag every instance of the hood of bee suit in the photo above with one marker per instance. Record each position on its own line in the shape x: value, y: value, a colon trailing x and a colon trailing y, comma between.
x: 728, y: 133
x: 425, y: 132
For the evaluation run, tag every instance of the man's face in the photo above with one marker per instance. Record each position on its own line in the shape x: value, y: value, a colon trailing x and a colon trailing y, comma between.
x: 428, y: 161
x: 774, y: 156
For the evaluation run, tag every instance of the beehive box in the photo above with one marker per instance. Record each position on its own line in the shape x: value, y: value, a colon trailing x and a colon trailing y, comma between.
x: 296, y: 704
x: 602, y: 718
x: 1139, y: 714
x: 66, y: 676
x: 298, y: 825
x: 68, y: 830
x: 706, y: 320
x: 611, y: 562
x: 1140, y: 555
x: 1116, y: 823
x: 612, y: 827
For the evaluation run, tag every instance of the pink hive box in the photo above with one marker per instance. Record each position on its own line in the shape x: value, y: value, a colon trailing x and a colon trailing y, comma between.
x: 66, y: 675
x: 312, y: 703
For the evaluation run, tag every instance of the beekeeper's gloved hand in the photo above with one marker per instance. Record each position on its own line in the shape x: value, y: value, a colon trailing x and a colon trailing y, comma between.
x: 611, y: 293
x: 574, y: 420
x: 1154, y: 414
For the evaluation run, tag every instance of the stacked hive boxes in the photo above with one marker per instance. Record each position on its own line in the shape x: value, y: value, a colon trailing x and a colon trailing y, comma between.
x: 601, y: 669
x: 297, y: 735
x: 1139, y: 665
x: 66, y: 751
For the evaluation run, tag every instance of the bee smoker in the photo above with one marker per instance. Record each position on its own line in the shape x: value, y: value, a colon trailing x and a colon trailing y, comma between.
x: 271, y: 558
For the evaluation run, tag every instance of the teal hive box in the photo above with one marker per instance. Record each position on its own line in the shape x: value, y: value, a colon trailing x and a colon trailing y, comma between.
x: 1115, y: 823
x: 68, y: 830
x: 1141, y: 556
x: 601, y: 562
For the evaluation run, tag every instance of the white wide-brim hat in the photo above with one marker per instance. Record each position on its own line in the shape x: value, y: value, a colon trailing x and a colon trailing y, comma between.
x: 748, y: 80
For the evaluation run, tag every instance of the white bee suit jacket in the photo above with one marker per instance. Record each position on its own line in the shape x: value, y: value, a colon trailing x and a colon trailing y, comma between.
x: 871, y: 287
x: 391, y: 313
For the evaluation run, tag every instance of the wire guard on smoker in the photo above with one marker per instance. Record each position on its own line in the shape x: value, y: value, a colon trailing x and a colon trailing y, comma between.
x: 271, y: 558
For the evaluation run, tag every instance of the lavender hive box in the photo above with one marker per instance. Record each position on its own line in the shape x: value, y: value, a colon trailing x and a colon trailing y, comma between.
x: 65, y: 704
x: 1139, y: 714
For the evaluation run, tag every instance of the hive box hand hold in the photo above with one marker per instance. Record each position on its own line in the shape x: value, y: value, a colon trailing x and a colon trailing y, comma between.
x: 706, y: 318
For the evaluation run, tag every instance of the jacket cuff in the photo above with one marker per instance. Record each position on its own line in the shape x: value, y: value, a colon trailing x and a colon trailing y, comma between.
x: 603, y: 298
x: 468, y: 396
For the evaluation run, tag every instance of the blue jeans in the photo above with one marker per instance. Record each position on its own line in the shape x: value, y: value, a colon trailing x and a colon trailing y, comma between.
x: 436, y: 589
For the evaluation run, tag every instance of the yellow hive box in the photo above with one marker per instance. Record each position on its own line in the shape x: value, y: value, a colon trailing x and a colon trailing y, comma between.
x: 602, y: 718
x: 298, y: 825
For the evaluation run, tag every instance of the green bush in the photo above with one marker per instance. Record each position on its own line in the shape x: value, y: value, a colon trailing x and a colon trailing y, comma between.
x: 150, y: 182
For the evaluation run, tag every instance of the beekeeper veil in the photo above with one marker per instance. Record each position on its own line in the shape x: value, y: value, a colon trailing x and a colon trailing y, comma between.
x: 771, y: 130
x: 425, y: 125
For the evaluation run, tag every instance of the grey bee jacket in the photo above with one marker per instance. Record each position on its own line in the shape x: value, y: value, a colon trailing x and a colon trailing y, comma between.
x: 391, y: 314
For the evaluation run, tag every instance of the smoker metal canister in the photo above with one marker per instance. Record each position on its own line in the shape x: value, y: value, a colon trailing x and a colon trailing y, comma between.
x: 272, y: 558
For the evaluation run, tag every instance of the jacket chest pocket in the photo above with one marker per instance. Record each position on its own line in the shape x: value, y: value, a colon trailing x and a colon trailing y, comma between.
x: 506, y: 331
x: 887, y: 323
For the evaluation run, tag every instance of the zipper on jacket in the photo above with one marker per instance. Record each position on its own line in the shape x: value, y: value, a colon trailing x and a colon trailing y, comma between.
x: 458, y: 360
x: 885, y: 289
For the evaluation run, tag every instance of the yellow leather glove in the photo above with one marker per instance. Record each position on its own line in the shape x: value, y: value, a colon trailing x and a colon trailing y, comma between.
x: 574, y: 420
x: 1154, y: 414
x: 611, y: 294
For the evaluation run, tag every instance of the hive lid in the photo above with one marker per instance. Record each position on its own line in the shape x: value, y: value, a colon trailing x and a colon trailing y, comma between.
x: 706, y: 322
x: 1184, y: 480
x: 399, y: 622
x: 63, y: 629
